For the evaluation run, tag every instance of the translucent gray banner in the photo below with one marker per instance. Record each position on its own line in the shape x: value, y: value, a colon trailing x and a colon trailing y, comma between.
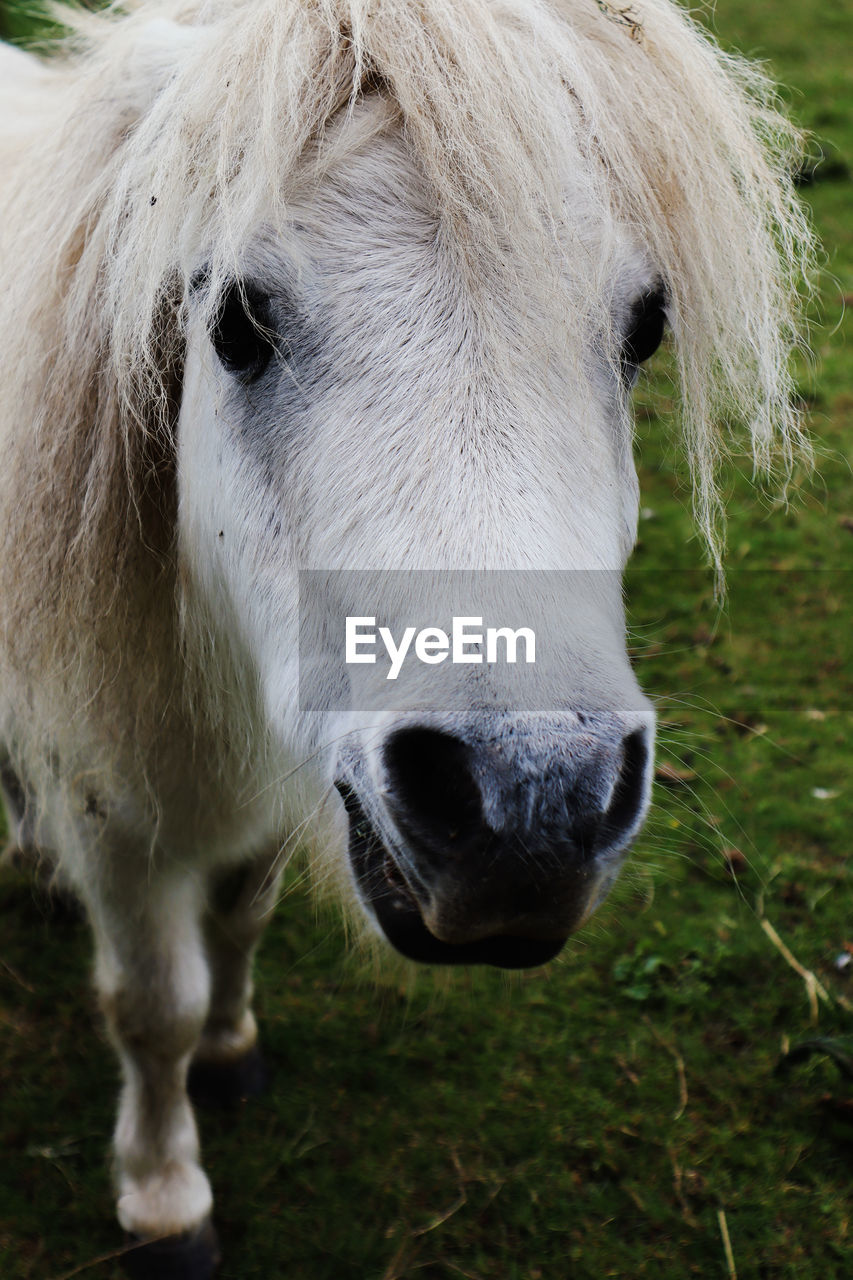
x: 519, y: 639
x: 527, y: 640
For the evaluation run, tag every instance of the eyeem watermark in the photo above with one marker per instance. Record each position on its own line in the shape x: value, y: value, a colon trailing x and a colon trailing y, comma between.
x: 432, y: 645
x: 385, y: 640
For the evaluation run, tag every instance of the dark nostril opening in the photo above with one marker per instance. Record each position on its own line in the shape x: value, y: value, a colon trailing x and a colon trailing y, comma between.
x: 630, y: 790
x: 431, y: 781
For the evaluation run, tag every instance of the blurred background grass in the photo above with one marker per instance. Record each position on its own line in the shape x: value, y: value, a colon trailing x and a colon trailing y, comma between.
x: 617, y: 1114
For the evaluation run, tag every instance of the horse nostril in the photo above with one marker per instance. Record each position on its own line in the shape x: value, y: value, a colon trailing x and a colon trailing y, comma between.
x: 449, y: 798
x: 432, y: 786
x: 629, y: 794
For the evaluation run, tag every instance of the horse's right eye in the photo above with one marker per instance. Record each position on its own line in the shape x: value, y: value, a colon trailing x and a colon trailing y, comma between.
x: 240, y: 331
x: 646, y: 327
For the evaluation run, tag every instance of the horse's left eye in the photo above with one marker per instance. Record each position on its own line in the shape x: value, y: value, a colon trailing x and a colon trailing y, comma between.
x: 240, y: 331
x: 646, y: 327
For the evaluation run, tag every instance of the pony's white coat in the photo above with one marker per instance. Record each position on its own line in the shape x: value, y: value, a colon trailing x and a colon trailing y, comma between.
x: 465, y: 196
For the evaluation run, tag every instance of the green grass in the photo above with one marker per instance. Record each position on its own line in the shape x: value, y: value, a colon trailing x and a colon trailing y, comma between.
x: 594, y: 1119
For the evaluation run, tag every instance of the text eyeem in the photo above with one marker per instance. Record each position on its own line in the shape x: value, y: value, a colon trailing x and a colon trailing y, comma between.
x: 432, y: 645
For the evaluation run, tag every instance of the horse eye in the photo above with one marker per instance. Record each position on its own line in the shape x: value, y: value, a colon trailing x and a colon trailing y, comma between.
x: 646, y: 327
x: 238, y: 331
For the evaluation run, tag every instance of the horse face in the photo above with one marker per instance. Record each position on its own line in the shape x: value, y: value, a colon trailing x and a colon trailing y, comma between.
x: 354, y: 402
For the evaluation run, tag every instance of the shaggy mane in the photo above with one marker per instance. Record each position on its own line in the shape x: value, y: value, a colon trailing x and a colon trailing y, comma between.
x: 158, y: 144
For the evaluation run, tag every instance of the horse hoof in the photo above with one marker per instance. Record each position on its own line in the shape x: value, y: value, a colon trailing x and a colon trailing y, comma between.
x: 225, y: 1084
x: 194, y: 1255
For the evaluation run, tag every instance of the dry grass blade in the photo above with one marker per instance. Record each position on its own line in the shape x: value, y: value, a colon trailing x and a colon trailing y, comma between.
x: 814, y: 989
x: 727, y: 1245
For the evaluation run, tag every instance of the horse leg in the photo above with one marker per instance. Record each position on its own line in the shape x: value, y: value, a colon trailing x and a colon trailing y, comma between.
x: 154, y: 985
x: 227, y: 1065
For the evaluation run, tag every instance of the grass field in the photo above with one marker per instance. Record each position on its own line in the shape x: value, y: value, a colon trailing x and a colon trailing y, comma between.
x: 620, y: 1113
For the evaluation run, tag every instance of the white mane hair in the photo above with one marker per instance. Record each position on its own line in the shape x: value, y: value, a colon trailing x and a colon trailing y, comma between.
x: 169, y: 131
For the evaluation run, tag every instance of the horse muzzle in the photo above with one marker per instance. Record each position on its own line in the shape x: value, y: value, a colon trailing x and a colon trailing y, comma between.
x: 493, y: 850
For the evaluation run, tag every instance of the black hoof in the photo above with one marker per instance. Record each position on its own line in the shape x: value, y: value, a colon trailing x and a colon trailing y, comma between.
x: 226, y: 1084
x: 192, y: 1256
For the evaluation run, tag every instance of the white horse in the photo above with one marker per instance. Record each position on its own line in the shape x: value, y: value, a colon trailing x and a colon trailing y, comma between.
x: 330, y: 285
